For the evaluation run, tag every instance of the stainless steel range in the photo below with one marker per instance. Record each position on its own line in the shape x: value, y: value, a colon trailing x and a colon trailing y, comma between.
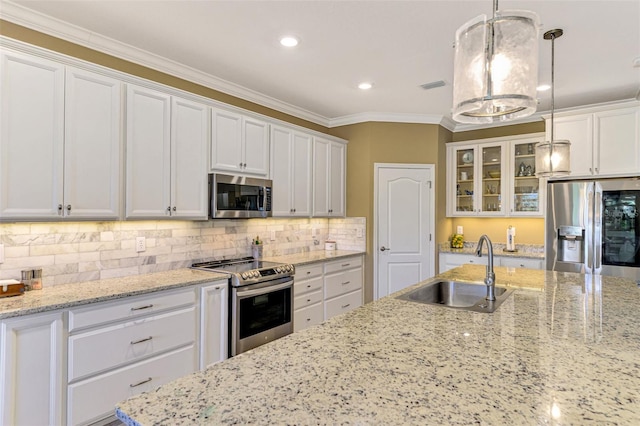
x: 261, y: 302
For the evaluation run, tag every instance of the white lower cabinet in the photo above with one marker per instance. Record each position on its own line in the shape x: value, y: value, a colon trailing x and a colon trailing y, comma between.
x: 325, y: 289
x: 453, y: 260
x: 214, y: 317
x: 342, y: 286
x: 93, y: 399
x: 308, y: 296
x: 31, y: 374
x: 119, y: 349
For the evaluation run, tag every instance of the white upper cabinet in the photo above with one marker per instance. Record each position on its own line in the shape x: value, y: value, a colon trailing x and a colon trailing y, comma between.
x: 603, y: 142
x: 290, y: 172
x: 329, y: 169
x: 239, y: 144
x: 92, y: 147
x: 53, y: 130
x: 494, y: 177
x: 166, y: 156
x: 189, y: 142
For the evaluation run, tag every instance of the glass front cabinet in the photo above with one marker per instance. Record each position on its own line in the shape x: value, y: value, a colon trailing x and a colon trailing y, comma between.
x: 493, y: 177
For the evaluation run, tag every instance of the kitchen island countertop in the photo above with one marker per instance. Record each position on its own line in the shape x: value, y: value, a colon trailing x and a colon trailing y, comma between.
x: 562, y: 349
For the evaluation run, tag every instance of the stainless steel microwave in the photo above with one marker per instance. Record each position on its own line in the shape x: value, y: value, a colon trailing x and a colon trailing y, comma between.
x: 238, y: 196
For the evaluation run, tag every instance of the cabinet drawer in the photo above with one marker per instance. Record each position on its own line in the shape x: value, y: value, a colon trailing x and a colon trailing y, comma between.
x: 342, y: 283
x: 108, y: 347
x: 307, y: 300
x: 307, y: 286
x: 308, y: 271
x: 514, y: 262
x: 129, y: 308
x: 306, y: 317
x: 343, y: 304
x: 342, y: 265
x: 94, y: 399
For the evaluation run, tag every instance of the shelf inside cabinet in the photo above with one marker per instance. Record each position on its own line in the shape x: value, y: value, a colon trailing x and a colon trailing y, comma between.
x: 523, y: 156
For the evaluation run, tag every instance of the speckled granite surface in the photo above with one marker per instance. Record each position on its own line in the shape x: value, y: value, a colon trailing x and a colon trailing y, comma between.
x: 70, y: 295
x: 564, y: 354
x: 530, y: 251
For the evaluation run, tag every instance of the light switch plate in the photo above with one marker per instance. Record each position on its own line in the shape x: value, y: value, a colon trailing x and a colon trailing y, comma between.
x: 141, y: 244
x: 1, y: 253
x: 273, y: 235
x: 359, y: 233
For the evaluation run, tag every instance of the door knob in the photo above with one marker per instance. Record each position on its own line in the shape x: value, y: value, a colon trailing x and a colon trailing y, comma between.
x: 383, y: 248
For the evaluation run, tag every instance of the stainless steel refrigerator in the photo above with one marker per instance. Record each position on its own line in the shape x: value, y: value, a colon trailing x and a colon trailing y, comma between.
x: 593, y: 226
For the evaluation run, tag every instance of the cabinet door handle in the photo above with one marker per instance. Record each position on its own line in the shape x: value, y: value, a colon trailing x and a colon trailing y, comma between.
x: 59, y: 208
x: 141, y: 383
x: 383, y: 248
x: 139, y: 308
x: 169, y: 209
x: 69, y: 207
x: 146, y: 339
x: 174, y: 208
x: 346, y: 306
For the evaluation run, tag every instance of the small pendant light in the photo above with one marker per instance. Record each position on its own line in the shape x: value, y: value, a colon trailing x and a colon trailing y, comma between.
x: 496, y: 67
x: 553, y: 157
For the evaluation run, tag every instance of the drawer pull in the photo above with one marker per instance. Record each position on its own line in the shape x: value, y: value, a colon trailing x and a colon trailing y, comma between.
x: 139, y: 308
x: 308, y: 272
x: 344, y: 265
x: 308, y: 319
x: 141, y: 383
x: 308, y: 300
x: 146, y: 339
x: 346, y: 306
x: 346, y: 282
x: 308, y: 285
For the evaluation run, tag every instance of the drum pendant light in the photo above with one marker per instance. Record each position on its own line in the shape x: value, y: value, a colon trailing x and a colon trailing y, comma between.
x: 496, y: 67
x: 553, y: 157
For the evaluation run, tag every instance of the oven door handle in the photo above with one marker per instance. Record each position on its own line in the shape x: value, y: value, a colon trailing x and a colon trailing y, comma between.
x: 264, y: 290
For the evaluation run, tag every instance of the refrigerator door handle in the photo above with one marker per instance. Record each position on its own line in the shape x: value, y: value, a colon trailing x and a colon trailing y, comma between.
x: 597, y: 230
x: 588, y: 247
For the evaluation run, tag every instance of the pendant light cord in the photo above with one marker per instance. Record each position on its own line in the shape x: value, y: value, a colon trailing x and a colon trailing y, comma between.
x: 553, y: 84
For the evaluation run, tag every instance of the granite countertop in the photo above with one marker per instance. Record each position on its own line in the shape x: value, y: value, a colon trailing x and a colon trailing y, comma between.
x: 69, y: 295
x: 528, y: 251
x: 561, y: 349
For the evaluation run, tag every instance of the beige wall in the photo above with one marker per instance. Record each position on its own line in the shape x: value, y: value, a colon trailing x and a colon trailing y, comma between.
x: 371, y: 143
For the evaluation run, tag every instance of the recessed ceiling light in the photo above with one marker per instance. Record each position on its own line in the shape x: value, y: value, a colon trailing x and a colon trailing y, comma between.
x: 365, y: 86
x: 543, y: 87
x: 289, y: 41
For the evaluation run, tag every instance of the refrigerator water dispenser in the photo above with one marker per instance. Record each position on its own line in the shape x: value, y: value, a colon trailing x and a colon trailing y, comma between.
x: 570, y: 244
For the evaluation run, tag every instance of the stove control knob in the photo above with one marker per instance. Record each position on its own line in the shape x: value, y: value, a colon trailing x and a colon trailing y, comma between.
x: 256, y: 274
x: 289, y: 268
x: 244, y: 275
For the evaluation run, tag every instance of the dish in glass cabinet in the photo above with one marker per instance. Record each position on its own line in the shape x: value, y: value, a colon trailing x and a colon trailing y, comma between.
x: 467, y: 157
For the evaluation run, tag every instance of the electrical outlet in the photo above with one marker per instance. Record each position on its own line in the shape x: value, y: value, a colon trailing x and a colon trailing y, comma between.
x: 359, y: 232
x: 273, y: 235
x: 1, y: 253
x: 141, y: 244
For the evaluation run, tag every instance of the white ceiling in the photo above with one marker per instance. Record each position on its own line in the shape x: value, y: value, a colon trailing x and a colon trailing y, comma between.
x: 398, y: 45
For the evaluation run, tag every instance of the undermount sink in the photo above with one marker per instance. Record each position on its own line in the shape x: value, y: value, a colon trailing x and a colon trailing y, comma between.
x: 458, y: 295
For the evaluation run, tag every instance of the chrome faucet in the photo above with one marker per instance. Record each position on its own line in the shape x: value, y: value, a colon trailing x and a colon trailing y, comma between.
x: 490, y: 279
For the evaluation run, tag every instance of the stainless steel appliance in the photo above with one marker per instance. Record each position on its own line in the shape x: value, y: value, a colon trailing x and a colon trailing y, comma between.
x: 261, y: 300
x: 238, y: 196
x: 593, y: 226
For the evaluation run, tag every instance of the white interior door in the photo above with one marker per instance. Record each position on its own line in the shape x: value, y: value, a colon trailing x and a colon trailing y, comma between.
x: 404, y: 220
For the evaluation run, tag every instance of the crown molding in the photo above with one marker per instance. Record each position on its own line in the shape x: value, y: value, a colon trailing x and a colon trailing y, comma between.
x: 385, y: 117
x: 591, y: 108
x: 54, y: 27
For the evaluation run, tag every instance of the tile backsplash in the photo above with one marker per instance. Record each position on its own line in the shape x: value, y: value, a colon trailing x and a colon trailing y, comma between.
x: 70, y: 252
